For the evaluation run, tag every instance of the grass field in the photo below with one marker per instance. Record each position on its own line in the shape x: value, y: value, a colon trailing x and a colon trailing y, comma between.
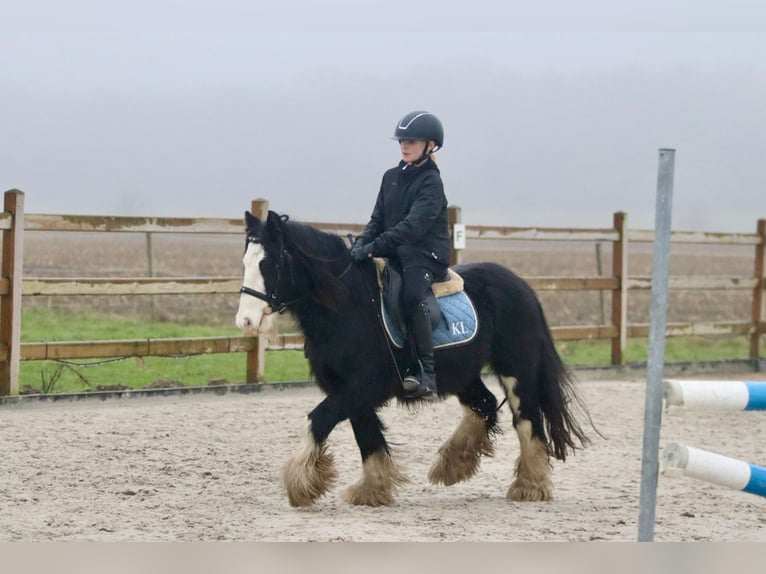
x: 68, y: 318
x: 69, y: 376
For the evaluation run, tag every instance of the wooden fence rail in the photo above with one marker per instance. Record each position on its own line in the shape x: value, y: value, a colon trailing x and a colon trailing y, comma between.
x: 13, y: 223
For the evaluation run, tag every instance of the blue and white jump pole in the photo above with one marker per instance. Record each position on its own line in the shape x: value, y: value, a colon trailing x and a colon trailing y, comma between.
x: 724, y: 395
x: 681, y: 460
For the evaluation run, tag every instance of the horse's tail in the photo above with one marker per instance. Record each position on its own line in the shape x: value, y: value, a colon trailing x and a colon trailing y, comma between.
x: 560, y: 401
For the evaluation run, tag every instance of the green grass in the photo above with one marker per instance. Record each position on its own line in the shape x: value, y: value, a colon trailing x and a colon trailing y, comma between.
x: 677, y: 349
x: 40, y: 324
x: 45, y: 325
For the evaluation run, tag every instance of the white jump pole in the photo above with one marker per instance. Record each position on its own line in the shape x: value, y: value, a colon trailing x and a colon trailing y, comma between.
x: 681, y: 460
x: 724, y: 395
x: 650, y: 466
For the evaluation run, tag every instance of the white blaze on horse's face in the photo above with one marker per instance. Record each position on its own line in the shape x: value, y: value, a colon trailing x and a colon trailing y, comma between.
x: 253, y: 316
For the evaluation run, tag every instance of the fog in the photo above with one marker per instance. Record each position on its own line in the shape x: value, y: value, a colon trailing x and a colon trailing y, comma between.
x: 174, y: 109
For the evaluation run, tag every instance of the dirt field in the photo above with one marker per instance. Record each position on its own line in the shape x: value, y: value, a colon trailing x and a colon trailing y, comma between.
x: 208, y: 468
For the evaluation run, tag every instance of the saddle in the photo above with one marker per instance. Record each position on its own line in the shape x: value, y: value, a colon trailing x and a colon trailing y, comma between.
x: 453, y: 316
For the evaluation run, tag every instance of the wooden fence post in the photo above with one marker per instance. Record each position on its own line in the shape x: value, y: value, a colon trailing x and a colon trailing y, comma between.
x: 620, y: 295
x: 10, y: 307
x: 150, y: 270
x: 256, y: 357
x: 600, y: 271
x: 454, y: 215
x: 757, y: 309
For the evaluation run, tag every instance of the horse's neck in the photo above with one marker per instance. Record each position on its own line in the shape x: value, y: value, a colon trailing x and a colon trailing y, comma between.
x: 322, y: 324
x: 317, y: 322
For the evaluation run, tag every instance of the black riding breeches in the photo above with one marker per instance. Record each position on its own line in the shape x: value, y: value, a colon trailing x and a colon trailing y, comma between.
x: 418, y: 273
x: 416, y: 281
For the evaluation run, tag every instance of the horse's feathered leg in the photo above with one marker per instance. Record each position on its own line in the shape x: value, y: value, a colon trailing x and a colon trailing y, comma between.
x: 532, y: 480
x: 380, y: 475
x: 310, y: 472
x: 458, y: 459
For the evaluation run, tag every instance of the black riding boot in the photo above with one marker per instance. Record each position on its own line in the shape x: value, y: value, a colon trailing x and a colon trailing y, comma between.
x: 422, y: 384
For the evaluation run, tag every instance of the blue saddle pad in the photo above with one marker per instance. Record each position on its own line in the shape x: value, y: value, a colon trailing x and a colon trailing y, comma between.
x: 459, y: 323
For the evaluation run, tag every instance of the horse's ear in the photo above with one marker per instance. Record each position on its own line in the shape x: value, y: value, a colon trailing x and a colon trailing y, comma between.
x: 272, y: 228
x: 274, y: 221
x: 252, y: 222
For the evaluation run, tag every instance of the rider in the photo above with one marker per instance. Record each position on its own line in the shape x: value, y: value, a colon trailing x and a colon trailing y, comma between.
x: 409, y: 226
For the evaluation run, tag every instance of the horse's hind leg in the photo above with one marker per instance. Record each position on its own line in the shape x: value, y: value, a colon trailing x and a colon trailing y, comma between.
x: 533, y: 470
x: 458, y: 459
x: 310, y: 472
x: 380, y: 476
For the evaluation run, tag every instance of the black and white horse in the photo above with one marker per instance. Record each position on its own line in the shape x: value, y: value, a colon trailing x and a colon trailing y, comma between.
x: 293, y: 266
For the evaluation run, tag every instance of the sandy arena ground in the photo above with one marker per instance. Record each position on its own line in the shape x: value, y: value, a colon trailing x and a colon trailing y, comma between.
x: 208, y: 468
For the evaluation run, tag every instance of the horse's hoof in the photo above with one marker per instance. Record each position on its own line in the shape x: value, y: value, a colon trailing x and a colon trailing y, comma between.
x: 377, y: 487
x: 451, y: 467
x: 359, y: 495
x: 524, y: 491
x: 459, y: 458
x: 308, y: 478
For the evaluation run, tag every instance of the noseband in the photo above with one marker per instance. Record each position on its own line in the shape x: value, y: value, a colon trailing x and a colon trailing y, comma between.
x: 271, y: 298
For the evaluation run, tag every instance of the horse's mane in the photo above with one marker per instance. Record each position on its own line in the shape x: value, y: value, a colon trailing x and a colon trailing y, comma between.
x: 324, y: 256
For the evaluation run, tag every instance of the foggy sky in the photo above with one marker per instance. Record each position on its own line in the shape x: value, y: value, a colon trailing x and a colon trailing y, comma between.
x: 553, y: 113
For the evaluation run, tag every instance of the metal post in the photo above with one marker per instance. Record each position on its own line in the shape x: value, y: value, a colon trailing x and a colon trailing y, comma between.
x: 656, y: 358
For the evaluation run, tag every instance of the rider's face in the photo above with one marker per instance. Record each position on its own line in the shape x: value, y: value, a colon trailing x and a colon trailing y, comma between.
x: 413, y: 149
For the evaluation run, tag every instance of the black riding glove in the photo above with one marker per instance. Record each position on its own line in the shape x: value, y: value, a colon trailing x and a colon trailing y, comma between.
x: 361, y: 252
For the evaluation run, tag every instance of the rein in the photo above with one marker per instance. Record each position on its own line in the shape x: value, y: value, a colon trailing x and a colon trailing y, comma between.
x: 377, y: 314
x: 382, y: 327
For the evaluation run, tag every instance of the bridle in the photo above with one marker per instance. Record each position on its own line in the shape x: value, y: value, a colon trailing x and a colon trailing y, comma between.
x: 271, y: 297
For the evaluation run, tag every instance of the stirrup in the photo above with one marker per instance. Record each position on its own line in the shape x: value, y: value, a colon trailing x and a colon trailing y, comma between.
x: 416, y: 389
x: 411, y: 384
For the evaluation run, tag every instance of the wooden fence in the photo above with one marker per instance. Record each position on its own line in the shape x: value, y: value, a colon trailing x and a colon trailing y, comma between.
x: 13, y: 223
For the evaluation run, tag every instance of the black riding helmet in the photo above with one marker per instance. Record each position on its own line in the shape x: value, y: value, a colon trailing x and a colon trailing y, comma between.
x: 420, y: 125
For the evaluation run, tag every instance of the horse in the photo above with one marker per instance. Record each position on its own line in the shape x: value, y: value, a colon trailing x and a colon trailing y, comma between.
x: 292, y: 266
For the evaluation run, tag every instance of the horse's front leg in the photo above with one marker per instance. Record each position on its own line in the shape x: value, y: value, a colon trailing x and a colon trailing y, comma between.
x: 310, y: 472
x: 380, y: 476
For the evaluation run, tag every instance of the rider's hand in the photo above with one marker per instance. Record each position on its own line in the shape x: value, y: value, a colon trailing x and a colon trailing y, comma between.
x: 361, y: 252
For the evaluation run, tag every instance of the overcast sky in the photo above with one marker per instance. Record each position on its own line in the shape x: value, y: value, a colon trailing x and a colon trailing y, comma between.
x: 554, y: 111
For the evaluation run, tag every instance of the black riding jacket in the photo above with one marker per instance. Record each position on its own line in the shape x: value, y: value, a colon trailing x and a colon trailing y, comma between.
x: 410, y: 211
